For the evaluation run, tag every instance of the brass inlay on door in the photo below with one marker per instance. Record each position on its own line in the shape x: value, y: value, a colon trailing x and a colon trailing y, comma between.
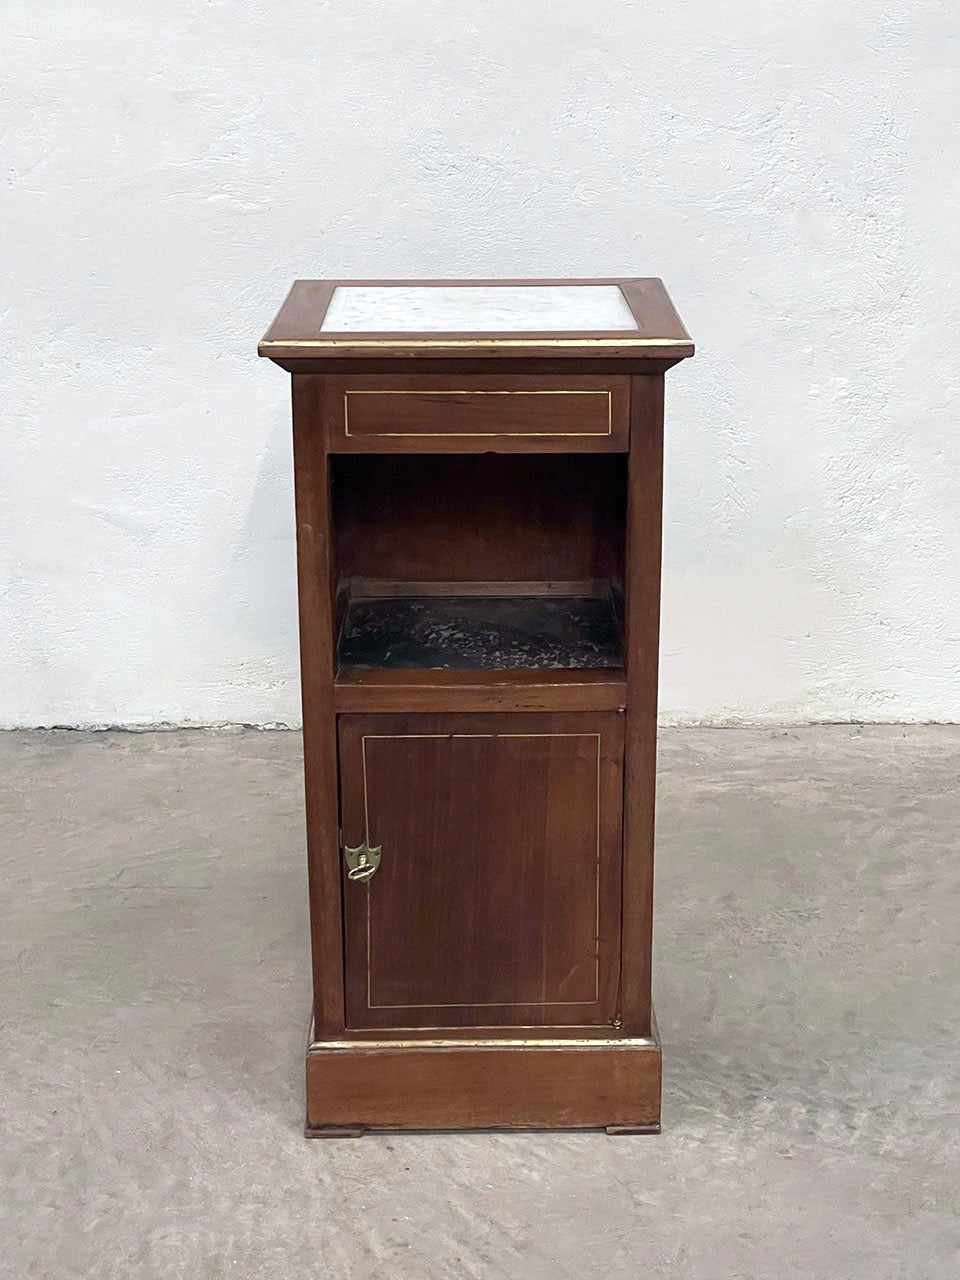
x: 474, y: 1004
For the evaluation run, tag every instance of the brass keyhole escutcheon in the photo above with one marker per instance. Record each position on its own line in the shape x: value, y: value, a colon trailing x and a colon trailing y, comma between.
x: 362, y: 862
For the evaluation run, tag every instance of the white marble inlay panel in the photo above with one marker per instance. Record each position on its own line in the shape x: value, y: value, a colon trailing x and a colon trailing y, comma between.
x: 477, y: 309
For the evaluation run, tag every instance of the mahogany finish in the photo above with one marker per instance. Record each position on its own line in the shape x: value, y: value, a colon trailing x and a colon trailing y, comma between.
x: 317, y: 660
x: 457, y: 506
x: 498, y: 898
x: 587, y: 690
x: 644, y: 521
x: 471, y: 518
x: 574, y: 1084
x: 432, y: 413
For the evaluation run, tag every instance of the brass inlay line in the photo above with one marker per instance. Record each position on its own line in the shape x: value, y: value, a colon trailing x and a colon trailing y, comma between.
x: 611, y: 1042
x: 627, y: 340
x: 474, y: 1004
x: 471, y: 435
x: 420, y: 1028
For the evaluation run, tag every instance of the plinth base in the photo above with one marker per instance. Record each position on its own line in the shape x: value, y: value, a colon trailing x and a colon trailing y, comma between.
x: 560, y: 1082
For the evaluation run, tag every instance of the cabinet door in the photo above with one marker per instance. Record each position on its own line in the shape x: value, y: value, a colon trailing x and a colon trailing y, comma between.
x: 496, y: 901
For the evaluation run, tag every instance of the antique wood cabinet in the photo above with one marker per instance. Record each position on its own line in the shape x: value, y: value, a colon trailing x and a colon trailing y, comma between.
x: 478, y: 473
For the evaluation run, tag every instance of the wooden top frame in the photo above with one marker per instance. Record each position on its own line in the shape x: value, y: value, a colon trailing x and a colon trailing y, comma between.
x: 296, y: 333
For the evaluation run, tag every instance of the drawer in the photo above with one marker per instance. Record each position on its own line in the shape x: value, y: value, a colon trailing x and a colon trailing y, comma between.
x: 477, y: 414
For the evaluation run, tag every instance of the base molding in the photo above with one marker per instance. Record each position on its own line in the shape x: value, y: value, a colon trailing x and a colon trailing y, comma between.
x: 557, y: 1083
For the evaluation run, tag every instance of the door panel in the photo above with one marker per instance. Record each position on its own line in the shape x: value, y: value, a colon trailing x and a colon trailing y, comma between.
x: 497, y: 898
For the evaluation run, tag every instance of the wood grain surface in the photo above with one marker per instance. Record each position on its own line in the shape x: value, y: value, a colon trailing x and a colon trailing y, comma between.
x: 482, y: 412
x: 572, y: 1086
x: 475, y: 518
x: 498, y: 895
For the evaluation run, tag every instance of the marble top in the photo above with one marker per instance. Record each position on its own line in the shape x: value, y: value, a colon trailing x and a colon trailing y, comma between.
x: 478, y: 309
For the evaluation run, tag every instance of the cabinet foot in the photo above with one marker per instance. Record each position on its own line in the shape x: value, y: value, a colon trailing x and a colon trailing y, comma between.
x: 334, y: 1130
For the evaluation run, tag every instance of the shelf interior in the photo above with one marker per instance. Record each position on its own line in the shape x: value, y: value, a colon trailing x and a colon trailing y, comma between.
x: 464, y: 631
x: 491, y: 563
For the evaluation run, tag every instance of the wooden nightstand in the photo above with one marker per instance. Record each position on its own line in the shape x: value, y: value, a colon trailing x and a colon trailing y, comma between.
x: 478, y: 493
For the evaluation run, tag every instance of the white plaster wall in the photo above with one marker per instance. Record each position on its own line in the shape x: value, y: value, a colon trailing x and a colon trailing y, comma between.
x: 791, y: 170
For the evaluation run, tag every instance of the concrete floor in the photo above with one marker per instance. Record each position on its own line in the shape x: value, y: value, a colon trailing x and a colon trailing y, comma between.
x: 154, y: 995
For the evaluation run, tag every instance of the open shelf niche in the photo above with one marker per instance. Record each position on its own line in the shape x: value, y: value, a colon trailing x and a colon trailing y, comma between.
x: 488, y: 562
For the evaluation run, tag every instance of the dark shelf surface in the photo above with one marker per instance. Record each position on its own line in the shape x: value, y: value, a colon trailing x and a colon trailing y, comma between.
x: 470, y: 633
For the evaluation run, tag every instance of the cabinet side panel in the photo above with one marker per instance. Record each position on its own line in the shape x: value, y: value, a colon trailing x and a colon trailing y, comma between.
x: 312, y: 489
x: 644, y: 538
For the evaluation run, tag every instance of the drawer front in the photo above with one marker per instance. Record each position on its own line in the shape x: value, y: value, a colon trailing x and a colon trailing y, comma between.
x: 479, y: 414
